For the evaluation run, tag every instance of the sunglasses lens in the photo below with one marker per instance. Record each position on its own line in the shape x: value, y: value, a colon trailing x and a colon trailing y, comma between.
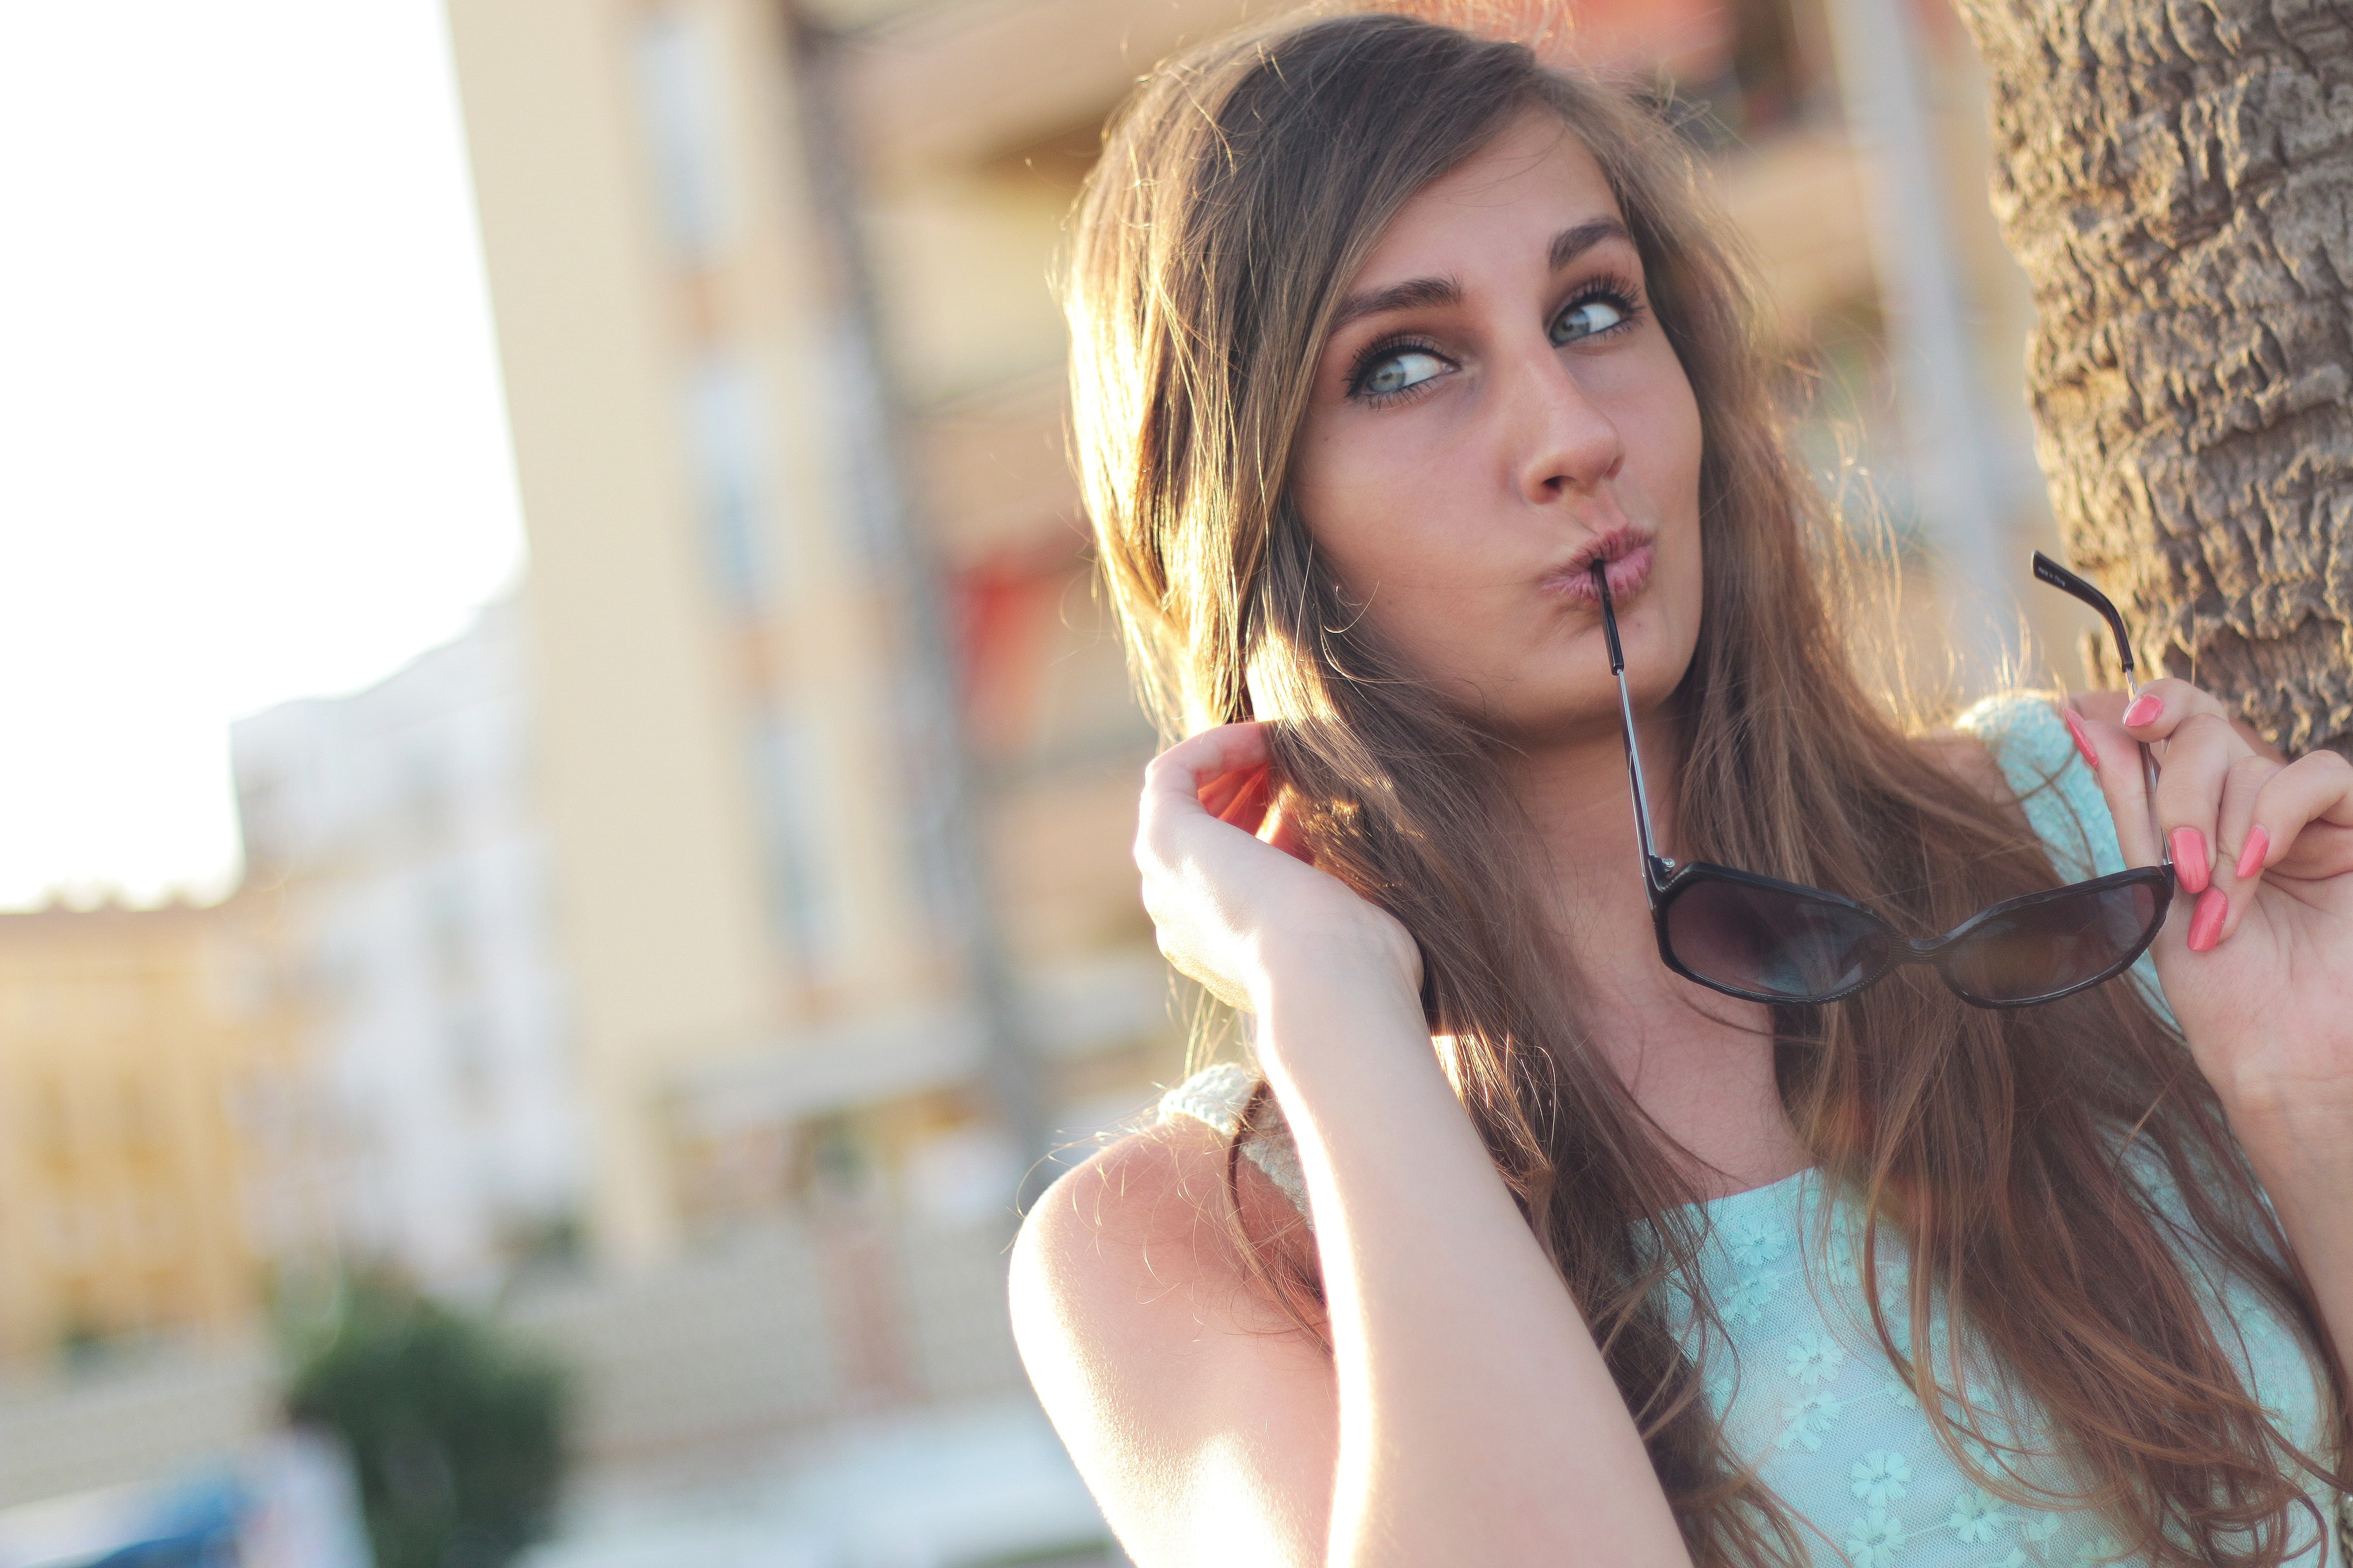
x: 1773, y: 944
x: 2062, y: 943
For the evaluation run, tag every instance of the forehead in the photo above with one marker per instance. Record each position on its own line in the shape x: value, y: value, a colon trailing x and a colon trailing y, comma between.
x: 1502, y: 207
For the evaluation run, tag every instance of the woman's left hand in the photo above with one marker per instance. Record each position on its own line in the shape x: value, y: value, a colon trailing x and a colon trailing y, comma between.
x: 2257, y: 956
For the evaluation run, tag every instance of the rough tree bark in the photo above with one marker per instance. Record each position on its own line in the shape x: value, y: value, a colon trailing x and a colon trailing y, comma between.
x: 2177, y: 177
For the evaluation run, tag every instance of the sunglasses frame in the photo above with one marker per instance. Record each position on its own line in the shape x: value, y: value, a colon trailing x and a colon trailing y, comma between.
x: 1665, y: 882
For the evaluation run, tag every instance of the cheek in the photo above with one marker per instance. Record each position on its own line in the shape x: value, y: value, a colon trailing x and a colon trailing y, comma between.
x: 1372, y: 519
x: 1434, y: 602
x: 1438, y: 604
x: 1692, y: 449
x: 1336, y: 513
x: 1670, y: 456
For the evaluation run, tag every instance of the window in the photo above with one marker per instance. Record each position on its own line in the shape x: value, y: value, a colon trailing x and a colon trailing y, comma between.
x: 727, y: 438
x: 798, y: 895
x: 683, y: 121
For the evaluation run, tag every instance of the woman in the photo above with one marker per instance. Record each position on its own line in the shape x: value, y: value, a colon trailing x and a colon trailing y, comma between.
x: 1398, y: 358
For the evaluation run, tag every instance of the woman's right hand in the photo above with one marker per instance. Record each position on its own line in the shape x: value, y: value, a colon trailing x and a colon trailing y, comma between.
x: 1228, y: 882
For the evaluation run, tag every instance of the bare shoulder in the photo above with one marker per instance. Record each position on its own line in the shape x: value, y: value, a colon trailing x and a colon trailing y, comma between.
x: 1140, y: 1223
x: 1174, y: 1380
x: 1967, y: 759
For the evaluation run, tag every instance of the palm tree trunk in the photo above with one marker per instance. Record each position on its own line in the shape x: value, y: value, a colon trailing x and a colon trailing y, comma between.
x: 2177, y: 181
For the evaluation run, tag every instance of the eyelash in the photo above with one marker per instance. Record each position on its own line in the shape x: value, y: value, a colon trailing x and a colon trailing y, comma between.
x: 1372, y: 354
x: 1610, y: 289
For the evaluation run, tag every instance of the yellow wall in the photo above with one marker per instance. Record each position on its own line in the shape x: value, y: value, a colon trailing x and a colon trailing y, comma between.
x: 145, y: 1064
x: 652, y: 686
x: 657, y: 906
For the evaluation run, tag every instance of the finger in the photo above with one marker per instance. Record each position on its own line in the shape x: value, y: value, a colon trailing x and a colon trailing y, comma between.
x: 2306, y: 818
x: 1248, y: 807
x: 2163, y: 704
x: 2236, y: 871
x: 2198, y: 761
x: 1281, y: 829
x: 2241, y: 847
x: 1218, y: 796
x: 2304, y: 810
x: 1177, y: 776
x: 1175, y: 781
x: 2115, y: 759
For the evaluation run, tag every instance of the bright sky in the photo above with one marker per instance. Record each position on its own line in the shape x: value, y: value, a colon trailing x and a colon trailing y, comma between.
x: 251, y: 445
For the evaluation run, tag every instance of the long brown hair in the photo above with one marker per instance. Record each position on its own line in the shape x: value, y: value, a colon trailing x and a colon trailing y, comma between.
x: 1237, y: 196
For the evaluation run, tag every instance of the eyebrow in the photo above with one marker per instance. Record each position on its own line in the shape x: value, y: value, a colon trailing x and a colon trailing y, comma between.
x: 1415, y: 294
x: 1411, y: 294
x: 1571, y: 243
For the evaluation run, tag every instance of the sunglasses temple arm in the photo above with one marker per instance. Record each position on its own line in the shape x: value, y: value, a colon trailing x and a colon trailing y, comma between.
x: 2049, y: 571
x: 1654, y: 867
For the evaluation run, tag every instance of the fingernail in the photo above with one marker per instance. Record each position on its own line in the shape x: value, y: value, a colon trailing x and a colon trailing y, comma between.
x: 2142, y: 711
x: 2083, y: 741
x: 2189, y: 861
x: 2251, y: 858
x: 2206, y: 924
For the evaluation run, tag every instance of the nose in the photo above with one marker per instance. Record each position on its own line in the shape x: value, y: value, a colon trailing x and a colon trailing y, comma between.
x: 1567, y: 445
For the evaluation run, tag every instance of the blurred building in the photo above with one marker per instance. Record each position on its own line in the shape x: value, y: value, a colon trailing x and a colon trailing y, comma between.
x: 153, y: 1152
x: 747, y: 771
x: 398, y: 828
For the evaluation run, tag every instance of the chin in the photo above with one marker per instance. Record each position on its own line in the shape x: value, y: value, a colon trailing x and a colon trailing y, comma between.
x: 1582, y: 715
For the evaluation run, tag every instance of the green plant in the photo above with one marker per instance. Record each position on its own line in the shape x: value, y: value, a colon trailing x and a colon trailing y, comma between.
x: 455, y: 1432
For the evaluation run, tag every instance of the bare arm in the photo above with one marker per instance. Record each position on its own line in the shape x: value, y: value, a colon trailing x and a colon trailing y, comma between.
x: 1464, y: 1414
x: 1478, y: 1421
x: 1203, y: 1423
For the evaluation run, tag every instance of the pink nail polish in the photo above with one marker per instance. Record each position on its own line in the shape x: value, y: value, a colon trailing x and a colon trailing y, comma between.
x: 2083, y: 741
x: 2190, y: 862
x: 2251, y: 858
x: 2142, y: 710
x: 2205, y: 923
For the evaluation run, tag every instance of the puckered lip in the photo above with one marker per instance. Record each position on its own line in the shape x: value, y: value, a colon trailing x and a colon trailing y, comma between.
x: 1625, y: 553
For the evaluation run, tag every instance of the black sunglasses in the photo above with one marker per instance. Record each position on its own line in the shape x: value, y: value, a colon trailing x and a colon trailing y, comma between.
x: 1768, y: 941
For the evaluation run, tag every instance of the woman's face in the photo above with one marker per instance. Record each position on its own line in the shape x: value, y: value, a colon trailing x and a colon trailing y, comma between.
x: 1496, y: 409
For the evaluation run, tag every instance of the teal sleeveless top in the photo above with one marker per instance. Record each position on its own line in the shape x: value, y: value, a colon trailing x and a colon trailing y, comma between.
x: 1799, y: 1380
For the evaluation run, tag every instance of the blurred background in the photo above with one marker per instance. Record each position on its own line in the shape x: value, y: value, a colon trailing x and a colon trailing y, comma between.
x: 567, y: 810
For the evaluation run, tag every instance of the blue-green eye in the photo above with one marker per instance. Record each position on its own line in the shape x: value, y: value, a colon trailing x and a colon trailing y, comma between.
x: 1395, y: 373
x: 1585, y: 318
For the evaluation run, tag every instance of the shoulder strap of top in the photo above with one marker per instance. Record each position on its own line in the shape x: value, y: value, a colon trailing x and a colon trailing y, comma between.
x: 1215, y: 1095
x: 2061, y: 799
x: 1218, y: 1096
